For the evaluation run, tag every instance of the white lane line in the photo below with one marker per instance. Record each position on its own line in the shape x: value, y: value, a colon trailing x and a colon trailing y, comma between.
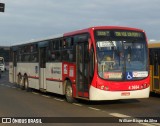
x: 58, y: 99
x: 46, y: 96
x: 118, y: 115
x: 94, y: 108
x: 35, y: 93
x: 77, y: 104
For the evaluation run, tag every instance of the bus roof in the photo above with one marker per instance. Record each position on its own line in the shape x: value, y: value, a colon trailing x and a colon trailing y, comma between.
x: 78, y: 32
x: 39, y: 40
x: 101, y: 27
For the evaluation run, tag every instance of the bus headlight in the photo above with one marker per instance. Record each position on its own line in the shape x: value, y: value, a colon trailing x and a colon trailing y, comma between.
x: 106, y: 88
x: 102, y: 87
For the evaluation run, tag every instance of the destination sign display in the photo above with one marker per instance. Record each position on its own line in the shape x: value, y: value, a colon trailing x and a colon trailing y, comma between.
x: 112, y: 33
x: 103, y: 33
x: 127, y: 34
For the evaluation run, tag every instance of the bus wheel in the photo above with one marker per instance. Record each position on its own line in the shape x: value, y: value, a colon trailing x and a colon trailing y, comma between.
x: 26, y: 83
x: 68, y: 93
x: 19, y: 80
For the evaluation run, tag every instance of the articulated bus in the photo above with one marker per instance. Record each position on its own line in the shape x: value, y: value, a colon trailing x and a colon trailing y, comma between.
x: 97, y: 63
x: 154, y: 54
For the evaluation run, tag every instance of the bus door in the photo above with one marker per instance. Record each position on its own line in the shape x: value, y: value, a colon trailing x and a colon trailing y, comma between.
x: 42, y: 65
x: 156, y: 70
x: 82, y: 76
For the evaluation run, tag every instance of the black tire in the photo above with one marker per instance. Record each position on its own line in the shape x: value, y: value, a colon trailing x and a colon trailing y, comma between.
x: 22, y: 86
x: 19, y: 81
x: 69, y: 92
x: 25, y: 83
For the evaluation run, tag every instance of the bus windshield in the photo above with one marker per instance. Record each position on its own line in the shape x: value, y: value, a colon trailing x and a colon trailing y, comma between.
x: 122, y: 58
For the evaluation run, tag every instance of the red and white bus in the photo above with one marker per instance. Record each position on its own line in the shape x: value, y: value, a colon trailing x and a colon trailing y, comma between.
x: 97, y: 63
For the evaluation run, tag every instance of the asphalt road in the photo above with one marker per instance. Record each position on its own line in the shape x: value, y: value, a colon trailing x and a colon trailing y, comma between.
x: 15, y: 102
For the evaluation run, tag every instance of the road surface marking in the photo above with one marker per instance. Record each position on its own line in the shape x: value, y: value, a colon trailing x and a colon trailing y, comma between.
x: 58, y: 99
x: 94, y: 108
x: 35, y: 93
x: 118, y: 115
x: 46, y: 96
x: 77, y: 104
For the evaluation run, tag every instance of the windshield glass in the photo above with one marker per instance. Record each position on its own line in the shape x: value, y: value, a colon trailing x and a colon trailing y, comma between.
x: 121, y: 58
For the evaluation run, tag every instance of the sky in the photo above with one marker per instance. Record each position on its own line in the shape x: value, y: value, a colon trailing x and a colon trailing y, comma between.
x: 25, y: 20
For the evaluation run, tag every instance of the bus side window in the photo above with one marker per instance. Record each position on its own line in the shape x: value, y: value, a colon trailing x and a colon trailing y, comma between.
x: 48, y: 52
x: 54, y: 48
x: 58, y: 50
x: 67, y: 52
x: 54, y: 51
x: 34, y: 53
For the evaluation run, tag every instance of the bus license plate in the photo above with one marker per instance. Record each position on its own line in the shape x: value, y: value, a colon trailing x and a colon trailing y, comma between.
x: 125, y: 94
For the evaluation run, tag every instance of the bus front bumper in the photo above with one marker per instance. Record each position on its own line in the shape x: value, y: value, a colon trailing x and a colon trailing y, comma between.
x: 96, y: 94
